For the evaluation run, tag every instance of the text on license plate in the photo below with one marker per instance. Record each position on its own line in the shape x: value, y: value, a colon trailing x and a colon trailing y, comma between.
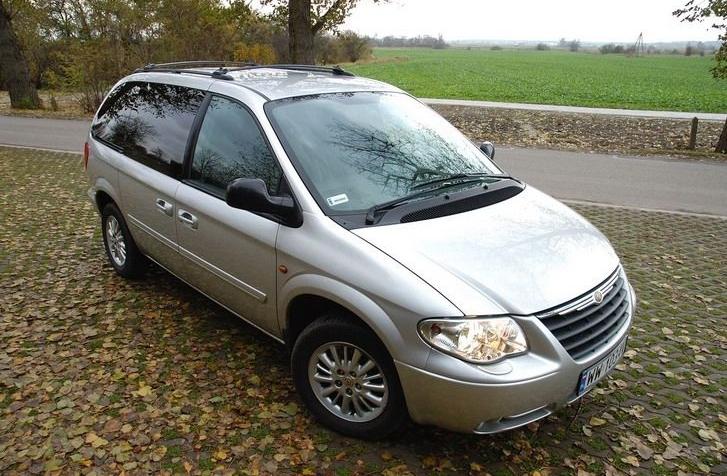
x: 593, y: 374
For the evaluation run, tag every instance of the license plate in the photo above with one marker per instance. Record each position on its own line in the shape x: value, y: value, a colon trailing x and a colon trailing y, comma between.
x: 592, y: 375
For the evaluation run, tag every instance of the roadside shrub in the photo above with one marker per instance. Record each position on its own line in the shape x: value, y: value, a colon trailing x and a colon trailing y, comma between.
x: 542, y: 47
x: 347, y: 47
x: 257, y: 53
x: 496, y: 48
x: 328, y: 51
x: 353, y: 46
x: 89, y: 71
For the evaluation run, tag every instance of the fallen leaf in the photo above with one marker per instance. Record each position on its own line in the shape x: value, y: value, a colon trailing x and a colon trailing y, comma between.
x: 644, y: 451
x: 595, y: 421
x: 95, y: 440
x: 708, y: 435
x: 220, y: 455
x: 143, y: 391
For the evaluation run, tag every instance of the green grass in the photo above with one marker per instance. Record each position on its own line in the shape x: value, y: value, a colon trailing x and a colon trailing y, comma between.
x: 657, y: 82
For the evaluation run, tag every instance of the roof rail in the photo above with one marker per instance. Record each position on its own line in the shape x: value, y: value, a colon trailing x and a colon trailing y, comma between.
x: 224, y: 67
x: 184, y: 67
x: 335, y: 70
x: 197, y: 64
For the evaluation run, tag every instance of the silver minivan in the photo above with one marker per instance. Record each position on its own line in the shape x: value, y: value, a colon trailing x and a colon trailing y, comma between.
x: 407, y: 274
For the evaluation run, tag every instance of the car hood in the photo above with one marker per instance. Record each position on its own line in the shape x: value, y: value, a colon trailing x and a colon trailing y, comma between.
x: 520, y: 256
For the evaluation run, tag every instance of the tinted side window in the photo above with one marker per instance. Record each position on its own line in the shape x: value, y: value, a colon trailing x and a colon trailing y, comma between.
x: 150, y: 123
x: 230, y: 146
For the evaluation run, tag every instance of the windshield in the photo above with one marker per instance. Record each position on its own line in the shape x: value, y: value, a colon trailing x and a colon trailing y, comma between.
x: 357, y: 150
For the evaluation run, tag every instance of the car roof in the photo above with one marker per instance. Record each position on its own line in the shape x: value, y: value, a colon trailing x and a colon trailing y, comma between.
x: 282, y: 83
x: 276, y: 83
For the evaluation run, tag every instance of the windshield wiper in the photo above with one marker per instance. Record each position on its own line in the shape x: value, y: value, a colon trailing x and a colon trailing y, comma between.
x: 451, y: 178
x: 371, y: 213
x: 444, y: 183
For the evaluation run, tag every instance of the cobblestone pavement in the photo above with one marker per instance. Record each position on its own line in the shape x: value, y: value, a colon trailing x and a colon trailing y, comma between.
x: 585, y: 132
x: 102, y: 375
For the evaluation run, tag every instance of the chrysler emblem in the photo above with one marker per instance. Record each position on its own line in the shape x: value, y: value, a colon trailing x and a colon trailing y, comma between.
x: 598, y: 297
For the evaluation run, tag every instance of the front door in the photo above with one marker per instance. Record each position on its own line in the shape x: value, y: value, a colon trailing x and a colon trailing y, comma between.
x: 230, y: 253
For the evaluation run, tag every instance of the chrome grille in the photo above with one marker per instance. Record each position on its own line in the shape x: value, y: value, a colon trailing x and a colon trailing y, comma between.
x: 584, y: 325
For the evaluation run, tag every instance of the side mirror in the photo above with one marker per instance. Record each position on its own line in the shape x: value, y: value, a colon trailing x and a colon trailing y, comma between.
x: 252, y: 195
x: 489, y: 149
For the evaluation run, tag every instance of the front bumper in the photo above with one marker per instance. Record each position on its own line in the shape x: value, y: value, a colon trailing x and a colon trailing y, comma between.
x: 464, y: 397
x: 481, y: 408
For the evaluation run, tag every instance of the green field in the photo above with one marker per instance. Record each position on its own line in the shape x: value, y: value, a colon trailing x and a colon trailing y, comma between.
x: 657, y: 82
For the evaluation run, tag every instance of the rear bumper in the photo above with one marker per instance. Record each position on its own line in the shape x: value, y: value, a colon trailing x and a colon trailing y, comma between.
x: 91, y: 194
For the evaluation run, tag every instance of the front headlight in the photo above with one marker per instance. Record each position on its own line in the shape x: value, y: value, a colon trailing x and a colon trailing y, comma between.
x: 481, y: 341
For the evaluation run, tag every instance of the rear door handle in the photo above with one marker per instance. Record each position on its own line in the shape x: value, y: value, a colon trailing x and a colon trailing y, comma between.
x: 187, y: 218
x: 164, y: 206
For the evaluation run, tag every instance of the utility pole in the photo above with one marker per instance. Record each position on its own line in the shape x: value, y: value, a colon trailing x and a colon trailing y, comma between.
x: 638, y: 49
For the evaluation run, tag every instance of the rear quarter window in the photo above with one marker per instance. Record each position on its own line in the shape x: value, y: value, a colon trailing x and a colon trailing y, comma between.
x: 149, y: 123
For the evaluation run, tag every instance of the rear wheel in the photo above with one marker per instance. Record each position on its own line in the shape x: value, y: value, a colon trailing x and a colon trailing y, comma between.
x: 121, y: 250
x: 347, y: 379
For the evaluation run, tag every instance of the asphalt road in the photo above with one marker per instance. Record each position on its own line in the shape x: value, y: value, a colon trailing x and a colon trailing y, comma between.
x: 653, y: 183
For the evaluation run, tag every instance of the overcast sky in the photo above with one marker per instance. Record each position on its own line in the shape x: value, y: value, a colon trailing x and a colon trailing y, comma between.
x: 587, y: 20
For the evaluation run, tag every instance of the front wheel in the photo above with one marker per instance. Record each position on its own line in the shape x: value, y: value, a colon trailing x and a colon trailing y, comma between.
x: 347, y: 379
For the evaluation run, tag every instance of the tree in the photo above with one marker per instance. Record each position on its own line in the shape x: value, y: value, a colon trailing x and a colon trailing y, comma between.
x: 354, y: 47
x: 307, y: 18
x: 13, y: 65
x: 716, y: 11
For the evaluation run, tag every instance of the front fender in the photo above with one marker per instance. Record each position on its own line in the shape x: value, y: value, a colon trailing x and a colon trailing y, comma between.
x: 357, y: 303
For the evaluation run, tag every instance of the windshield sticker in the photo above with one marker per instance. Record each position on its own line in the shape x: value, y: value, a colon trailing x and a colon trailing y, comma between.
x: 337, y: 199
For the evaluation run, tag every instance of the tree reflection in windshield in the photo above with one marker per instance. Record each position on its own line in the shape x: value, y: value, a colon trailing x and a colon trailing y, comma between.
x: 372, y: 147
x: 399, y: 157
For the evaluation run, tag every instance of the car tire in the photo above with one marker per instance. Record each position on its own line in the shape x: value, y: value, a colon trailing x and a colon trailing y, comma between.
x: 121, y: 250
x: 376, y: 406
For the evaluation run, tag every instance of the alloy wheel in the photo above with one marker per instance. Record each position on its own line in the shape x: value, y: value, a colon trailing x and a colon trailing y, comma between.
x: 115, y: 241
x: 348, y: 382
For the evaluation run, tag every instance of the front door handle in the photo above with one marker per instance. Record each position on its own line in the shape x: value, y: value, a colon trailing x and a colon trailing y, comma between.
x: 187, y: 218
x: 164, y: 206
